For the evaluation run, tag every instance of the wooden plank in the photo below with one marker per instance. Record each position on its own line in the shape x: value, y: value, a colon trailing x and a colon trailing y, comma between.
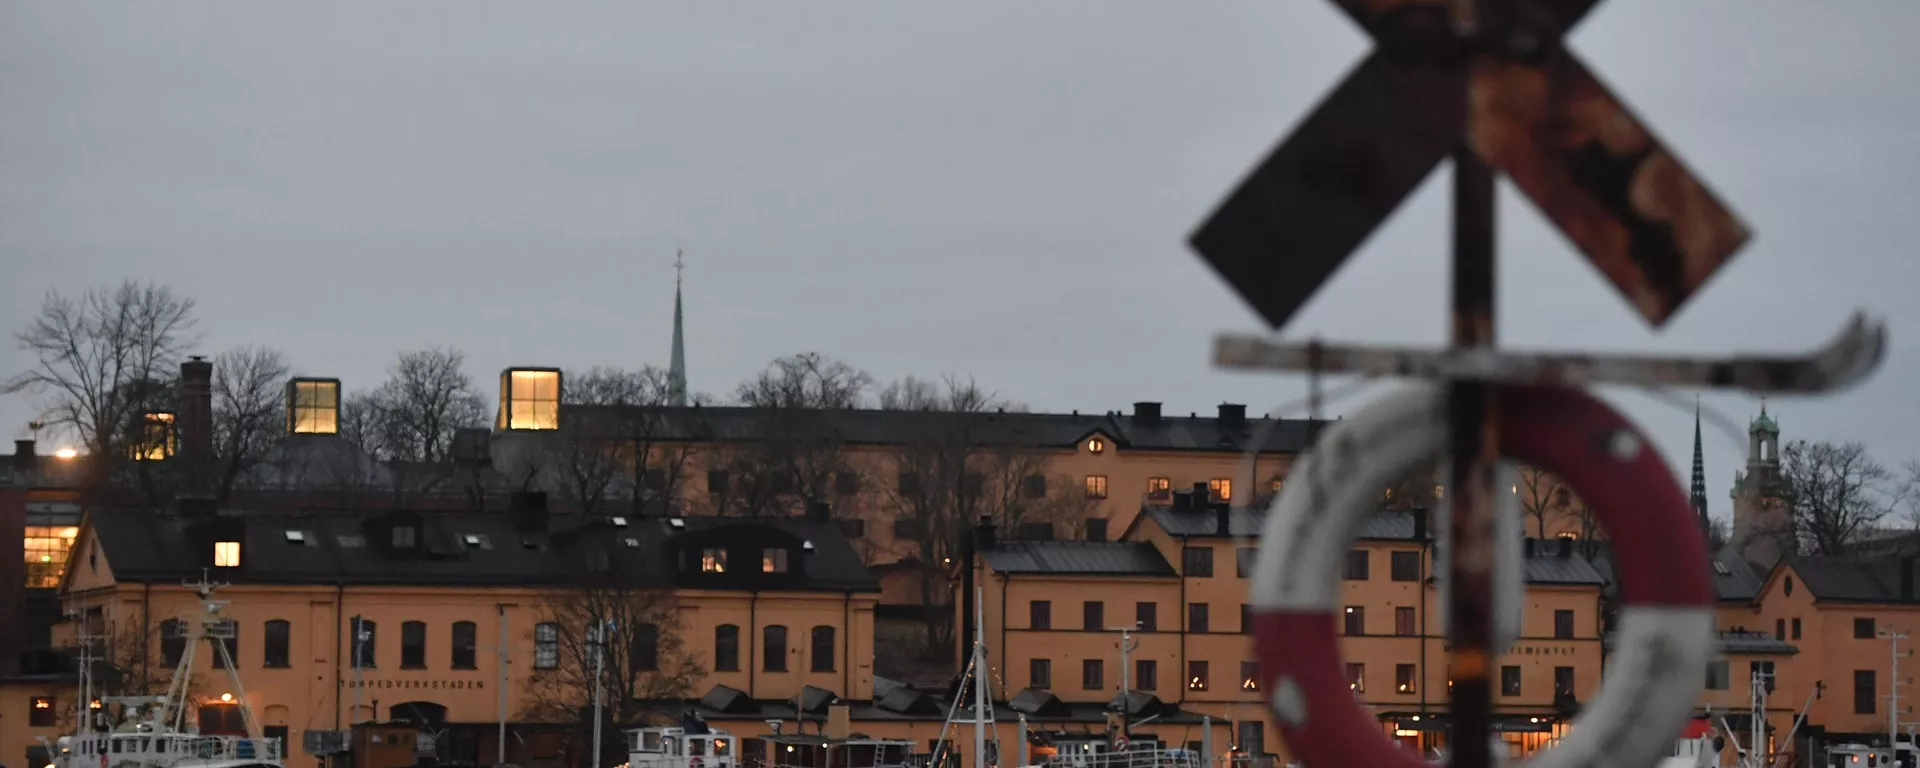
x: 1297, y: 217
x: 1603, y: 178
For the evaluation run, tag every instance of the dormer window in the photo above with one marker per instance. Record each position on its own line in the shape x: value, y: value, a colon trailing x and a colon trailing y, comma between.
x: 713, y: 561
x: 530, y: 398
x: 404, y: 536
x: 226, y: 554
x: 476, y: 541
x: 313, y: 406
x: 773, y: 561
x: 156, y: 440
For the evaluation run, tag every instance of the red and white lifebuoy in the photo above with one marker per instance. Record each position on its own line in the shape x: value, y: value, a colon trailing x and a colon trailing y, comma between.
x: 1665, y: 629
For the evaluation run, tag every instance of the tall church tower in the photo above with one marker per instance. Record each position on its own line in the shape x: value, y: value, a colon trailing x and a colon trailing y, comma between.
x: 1697, y: 495
x: 677, y: 368
x: 1762, y: 524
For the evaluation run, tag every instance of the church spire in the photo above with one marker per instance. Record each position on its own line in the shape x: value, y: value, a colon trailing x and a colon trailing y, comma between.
x: 1698, y: 494
x: 677, y: 369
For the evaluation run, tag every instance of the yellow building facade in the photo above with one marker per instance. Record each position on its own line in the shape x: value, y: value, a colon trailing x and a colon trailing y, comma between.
x: 1177, y: 580
x: 457, y: 618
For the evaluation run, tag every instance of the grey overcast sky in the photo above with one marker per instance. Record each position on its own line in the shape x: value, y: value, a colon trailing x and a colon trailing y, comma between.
x: 993, y: 188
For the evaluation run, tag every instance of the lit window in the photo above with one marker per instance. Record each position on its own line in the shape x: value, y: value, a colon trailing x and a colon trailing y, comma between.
x: 773, y: 561
x: 1220, y: 488
x: 1096, y: 445
x: 713, y: 561
x: 156, y: 437
x: 1276, y: 484
x: 47, y: 550
x: 530, y: 398
x: 313, y: 406
x: 1159, y: 485
x: 1096, y: 486
x: 226, y: 554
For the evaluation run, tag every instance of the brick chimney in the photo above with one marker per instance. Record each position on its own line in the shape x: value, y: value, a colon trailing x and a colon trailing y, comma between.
x: 25, y: 461
x: 1146, y: 414
x: 196, y: 435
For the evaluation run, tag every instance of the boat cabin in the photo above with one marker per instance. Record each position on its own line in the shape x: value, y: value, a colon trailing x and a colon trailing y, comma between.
x: 679, y: 747
x: 797, y: 750
x: 1863, y: 756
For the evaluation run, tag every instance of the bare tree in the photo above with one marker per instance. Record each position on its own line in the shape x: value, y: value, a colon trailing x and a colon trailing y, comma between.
x: 1835, y: 493
x: 249, y: 384
x: 799, y: 451
x: 620, y: 439
x: 92, y: 351
x: 953, y: 470
x: 645, y: 656
x: 413, y: 415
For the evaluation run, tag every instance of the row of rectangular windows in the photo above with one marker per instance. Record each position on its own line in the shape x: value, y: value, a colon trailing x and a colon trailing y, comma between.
x: 1197, y: 562
x: 1093, y: 618
x: 1146, y: 677
x: 643, y: 647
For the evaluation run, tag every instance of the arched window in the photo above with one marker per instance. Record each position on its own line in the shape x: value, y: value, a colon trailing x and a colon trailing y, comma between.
x: 465, y: 645
x: 644, y: 654
x: 546, y: 645
x: 726, y: 648
x: 227, y: 635
x: 366, y: 642
x: 173, y: 641
x: 773, y: 642
x: 276, y: 652
x: 822, y: 649
x: 413, y: 645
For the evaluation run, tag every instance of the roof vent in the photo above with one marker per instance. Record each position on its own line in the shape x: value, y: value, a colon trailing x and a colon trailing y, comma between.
x: 619, y: 522
x: 807, y: 545
x: 476, y: 541
x: 297, y: 537
x: 632, y: 543
x: 676, y: 522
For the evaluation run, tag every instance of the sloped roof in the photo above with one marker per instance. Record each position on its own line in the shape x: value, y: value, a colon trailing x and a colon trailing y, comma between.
x: 1105, y: 558
x: 455, y: 549
x: 1852, y: 580
x: 861, y: 426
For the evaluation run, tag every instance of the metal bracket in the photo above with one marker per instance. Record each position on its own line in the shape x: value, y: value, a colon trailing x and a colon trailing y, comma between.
x: 1842, y: 363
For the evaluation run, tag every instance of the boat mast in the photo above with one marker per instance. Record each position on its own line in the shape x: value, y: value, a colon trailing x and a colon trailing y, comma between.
x: 980, y: 690
x: 1893, y: 689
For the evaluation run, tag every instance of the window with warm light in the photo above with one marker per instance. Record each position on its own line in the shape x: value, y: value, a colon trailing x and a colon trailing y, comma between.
x: 1357, y: 677
x: 47, y: 549
x: 714, y: 561
x: 530, y: 398
x: 1096, y: 486
x: 226, y: 554
x: 1249, y: 676
x: 1220, y: 488
x: 156, y: 441
x: 1159, y: 485
x: 773, y: 561
x: 1403, y: 678
x: 42, y: 713
x: 313, y: 406
x: 1196, y: 675
x: 1096, y: 446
